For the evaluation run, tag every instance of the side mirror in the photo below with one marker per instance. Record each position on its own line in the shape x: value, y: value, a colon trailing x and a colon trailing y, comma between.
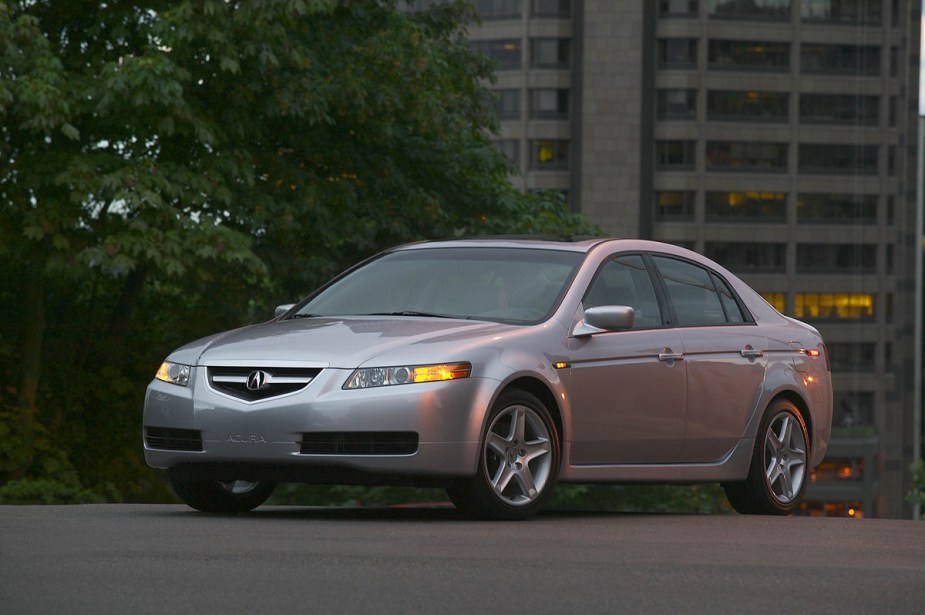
x: 282, y: 309
x: 605, y: 318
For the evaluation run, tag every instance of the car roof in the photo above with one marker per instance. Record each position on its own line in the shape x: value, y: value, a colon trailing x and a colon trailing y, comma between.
x: 566, y: 243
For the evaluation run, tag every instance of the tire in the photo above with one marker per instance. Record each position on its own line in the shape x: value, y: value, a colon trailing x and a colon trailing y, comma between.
x: 519, y: 458
x: 213, y: 496
x: 778, y: 472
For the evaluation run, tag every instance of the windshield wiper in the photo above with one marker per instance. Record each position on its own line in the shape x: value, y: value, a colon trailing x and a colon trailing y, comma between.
x: 410, y: 313
x: 304, y: 316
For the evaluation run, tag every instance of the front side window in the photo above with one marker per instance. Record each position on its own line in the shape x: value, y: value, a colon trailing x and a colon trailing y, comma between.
x: 626, y: 281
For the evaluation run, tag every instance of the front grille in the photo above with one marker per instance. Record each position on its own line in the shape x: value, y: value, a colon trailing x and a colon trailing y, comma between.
x: 173, y: 439
x: 255, y: 384
x: 359, y: 443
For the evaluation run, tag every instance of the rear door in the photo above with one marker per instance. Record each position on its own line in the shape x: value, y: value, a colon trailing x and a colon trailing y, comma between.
x: 725, y: 355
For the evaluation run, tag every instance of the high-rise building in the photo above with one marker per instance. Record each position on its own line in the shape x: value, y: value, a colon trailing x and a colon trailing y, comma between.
x: 778, y: 137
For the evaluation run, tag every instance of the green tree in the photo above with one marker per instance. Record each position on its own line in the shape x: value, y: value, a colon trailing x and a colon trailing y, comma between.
x: 163, y: 163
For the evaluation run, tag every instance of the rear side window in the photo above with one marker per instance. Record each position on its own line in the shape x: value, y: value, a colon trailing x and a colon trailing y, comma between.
x: 626, y: 281
x: 733, y: 312
x: 693, y: 294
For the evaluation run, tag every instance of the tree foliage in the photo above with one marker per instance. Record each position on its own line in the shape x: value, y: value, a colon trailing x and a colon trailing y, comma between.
x: 169, y: 168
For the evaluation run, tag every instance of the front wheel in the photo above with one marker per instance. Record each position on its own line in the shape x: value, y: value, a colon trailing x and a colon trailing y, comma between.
x: 777, y: 475
x: 518, y: 461
x: 222, y: 497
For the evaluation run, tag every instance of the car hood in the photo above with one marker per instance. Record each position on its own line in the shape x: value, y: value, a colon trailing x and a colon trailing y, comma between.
x: 341, y: 342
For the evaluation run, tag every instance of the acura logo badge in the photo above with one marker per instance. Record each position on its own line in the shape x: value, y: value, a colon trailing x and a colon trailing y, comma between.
x: 257, y: 380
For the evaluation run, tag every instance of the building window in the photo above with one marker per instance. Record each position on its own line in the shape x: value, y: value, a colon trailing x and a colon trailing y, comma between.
x: 836, y: 258
x: 845, y: 109
x: 674, y: 205
x: 836, y: 208
x: 838, y: 469
x: 853, y: 411
x: 746, y: 156
x: 749, y: 55
x: 511, y: 149
x: 507, y: 103
x: 840, y: 59
x: 675, y: 155
x: 892, y: 112
x: 833, y: 306
x: 747, y: 257
x: 677, y: 53
x: 549, y: 104
x: 561, y: 9
x: 752, y: 9
x: 858, y: 12
x: 778, y: 301
x: 852, y: 356
x: 677, y: 8
x: 676, y: 104
x: 550, y: 52
x: 497, y: 9
x: 828, y: 159
x: 750, y: 206
x: 506, y: 51
x: 747, y: 106
x: 549, y: 154
x: 894, y: 61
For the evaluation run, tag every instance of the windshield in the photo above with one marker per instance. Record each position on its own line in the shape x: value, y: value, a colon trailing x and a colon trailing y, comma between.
x: 516, y: 285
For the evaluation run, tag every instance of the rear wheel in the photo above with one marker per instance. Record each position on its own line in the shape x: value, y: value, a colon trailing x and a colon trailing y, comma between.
x: 222, y: 497
x: 518, y: 461
x: 777, y: 475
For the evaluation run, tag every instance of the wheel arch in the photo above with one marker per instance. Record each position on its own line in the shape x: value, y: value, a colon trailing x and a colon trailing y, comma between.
x: 541, y: 391
x: 797, y: 400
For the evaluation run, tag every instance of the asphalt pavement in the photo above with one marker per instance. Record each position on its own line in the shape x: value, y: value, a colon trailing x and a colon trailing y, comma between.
x: 169, y: 559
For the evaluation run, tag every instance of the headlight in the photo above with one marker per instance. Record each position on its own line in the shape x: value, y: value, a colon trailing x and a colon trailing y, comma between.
x: 369, y: 377
x: 174, y: 373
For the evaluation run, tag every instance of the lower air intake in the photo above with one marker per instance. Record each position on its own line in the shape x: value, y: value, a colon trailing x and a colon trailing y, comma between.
x: 360, y: 443
x: 173, y: 439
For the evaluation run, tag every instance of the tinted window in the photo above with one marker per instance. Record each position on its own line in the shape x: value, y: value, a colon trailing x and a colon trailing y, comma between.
x: 625, y: 281
x: 692, y: 293
x: 733, y: 312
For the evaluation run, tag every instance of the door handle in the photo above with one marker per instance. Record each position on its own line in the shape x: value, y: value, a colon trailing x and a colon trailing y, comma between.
x: 751, y: 353
x: 668, y: 355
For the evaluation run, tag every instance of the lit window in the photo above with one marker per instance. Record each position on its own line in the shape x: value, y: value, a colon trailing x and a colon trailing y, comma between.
x: 549, y: 154
x: 777, y: 300
x: 833, y: 306
x: 838, y: 469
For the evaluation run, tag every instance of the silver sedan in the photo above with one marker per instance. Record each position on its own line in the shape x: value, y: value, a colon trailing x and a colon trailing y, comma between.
x: 496, y: 368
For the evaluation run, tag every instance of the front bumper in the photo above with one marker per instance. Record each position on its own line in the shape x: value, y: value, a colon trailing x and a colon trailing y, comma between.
x: 263, y: 440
